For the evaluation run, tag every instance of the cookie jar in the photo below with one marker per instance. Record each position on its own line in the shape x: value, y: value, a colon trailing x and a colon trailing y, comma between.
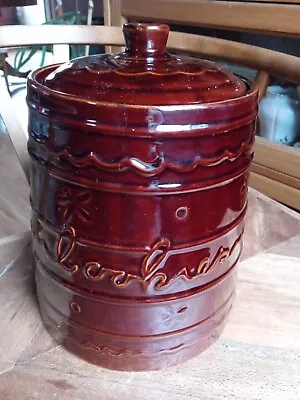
x: 139, y: 177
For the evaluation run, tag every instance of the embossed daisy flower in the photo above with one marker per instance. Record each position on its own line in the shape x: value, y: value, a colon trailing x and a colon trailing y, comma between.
x: 73, y: 205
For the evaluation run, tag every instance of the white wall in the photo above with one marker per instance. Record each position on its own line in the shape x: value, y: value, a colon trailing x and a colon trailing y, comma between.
x: 32, y: 15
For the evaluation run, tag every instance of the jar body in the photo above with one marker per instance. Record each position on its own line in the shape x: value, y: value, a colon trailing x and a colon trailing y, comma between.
x: 137, y: 224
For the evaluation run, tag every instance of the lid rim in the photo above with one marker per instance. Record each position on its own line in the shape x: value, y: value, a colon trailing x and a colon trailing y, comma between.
x: 33, y: 81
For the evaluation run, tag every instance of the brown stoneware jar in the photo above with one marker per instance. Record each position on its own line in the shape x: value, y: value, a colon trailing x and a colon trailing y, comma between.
x: 139, y: 178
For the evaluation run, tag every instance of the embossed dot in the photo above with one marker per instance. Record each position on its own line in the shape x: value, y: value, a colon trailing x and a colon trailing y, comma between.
x: 182, y: 310
x: 75, y: 307
x: 181, y: 212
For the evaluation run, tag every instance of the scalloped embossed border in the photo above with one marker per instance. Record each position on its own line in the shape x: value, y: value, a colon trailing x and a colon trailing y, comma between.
x: 111, y: 352
x: 156, y: 167
x: 144, y: 73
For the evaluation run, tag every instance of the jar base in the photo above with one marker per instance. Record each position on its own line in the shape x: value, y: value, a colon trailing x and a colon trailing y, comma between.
x: 192, y: 343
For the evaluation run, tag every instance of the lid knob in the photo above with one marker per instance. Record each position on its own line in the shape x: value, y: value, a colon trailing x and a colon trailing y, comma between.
x: 145, y: 40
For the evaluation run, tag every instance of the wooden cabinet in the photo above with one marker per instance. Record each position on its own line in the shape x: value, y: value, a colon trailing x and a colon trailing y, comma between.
x: 280, y: 18
x: 276, y: 169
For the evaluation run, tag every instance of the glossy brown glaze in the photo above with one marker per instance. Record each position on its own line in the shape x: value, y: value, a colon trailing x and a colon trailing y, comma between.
x: 145, y: 74
x: 139, y: 179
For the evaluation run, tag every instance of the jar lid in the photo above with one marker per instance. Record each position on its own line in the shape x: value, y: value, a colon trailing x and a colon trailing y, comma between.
x: 145, y: 74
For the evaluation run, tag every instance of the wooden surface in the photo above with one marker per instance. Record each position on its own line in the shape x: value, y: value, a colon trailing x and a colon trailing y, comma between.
x: 113, y: 17
x: 256, y: 358
x: 276, y: 175
x: 275, y: 63
x: 259, y: 17
x: 20, y: 35
x: 275, y: 189
x: 277, y: 156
